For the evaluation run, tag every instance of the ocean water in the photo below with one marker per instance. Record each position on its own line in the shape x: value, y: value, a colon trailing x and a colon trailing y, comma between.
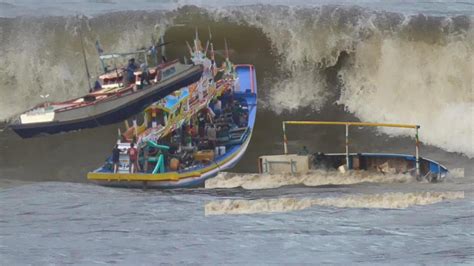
x: 375, y: 61
x: 51, y: 223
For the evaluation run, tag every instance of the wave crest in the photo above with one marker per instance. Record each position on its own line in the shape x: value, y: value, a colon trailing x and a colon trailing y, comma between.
x: 397, y: 68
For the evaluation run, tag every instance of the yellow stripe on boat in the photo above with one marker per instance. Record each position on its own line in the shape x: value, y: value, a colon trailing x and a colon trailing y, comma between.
x: 171, y: 176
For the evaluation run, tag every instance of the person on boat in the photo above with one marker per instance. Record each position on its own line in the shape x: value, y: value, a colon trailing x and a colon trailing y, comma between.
x: 217, y: 107
x: 133, y: 157
x: 97, y: 86
x: 201, y: 124
x: 212, y: 136
x: 304, y: 151
x: 131, y: 68
x: 145, y: 77
x: 243, y: 119
x: 192, y: 133
x: 182, y: 134
x: 116, y: 157
x: 227, y: 98
x: 237, y: 111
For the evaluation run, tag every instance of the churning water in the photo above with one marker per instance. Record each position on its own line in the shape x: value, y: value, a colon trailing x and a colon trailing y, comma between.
x: 396, y: 61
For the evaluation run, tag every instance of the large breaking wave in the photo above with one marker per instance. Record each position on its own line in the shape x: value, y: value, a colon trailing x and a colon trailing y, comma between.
x: 380, y: 66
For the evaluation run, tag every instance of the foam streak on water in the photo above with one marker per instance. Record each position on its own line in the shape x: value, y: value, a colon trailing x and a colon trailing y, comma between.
x: 385, y: 201
x: 315, y: 178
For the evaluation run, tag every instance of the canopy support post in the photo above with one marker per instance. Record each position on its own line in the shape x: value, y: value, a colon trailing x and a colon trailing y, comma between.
x: 285, y: 140
x: 347, y: 146
x: 417, y: 152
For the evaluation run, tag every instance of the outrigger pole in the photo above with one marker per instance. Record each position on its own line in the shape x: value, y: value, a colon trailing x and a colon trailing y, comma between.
x: 358, y: 124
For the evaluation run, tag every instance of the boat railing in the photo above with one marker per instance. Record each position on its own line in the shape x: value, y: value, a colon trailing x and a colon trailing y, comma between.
x: 107, y: 94
x: 356, y: 124
x: 87, y: 103
x: 267, y: 165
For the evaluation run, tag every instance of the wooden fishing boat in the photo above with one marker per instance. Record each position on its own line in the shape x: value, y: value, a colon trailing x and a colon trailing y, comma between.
x: 385, y: 163
x: 170, y: 154
x: 113, y: 101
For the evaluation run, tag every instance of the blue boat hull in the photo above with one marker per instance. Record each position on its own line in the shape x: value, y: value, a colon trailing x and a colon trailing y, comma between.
x: 247, y: 92
x: 429, y: 170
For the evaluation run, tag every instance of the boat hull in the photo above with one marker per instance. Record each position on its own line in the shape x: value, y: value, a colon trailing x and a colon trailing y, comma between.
x: 385, y: 163
x: 188, y: 179
x: 104, y: 113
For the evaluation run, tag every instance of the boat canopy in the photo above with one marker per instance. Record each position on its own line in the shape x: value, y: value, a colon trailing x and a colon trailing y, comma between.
x: 357, y: 124
x: 119, y: 55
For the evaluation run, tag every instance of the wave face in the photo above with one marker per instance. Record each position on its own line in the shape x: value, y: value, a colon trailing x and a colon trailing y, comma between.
x: 404, y: 69
x: 340, y: 61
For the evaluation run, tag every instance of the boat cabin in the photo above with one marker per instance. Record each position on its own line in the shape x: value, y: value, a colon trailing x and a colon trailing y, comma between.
x: 187, y: 129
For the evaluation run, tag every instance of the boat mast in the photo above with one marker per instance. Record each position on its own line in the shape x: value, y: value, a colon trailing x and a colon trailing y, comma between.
x: 163, y: 49
x: 154, y: 52
x: 85, y: 61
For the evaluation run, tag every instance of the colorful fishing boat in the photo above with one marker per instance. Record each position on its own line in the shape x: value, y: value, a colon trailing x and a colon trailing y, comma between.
x: 115, y: 97
x: 191, y: 134
x: 385, y: 163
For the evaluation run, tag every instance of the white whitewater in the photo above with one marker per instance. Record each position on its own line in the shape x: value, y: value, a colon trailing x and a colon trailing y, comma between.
x: 395, y: 200
x: 315, y: 178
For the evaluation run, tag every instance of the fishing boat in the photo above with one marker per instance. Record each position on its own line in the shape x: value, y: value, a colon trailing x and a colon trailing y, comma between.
x: 111, y: 100
x: 191, y: 134
x: 384, y: 163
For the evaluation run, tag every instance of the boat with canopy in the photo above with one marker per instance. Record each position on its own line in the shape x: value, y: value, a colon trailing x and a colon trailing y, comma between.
x: 191, y: 134
x: 385, y: 163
